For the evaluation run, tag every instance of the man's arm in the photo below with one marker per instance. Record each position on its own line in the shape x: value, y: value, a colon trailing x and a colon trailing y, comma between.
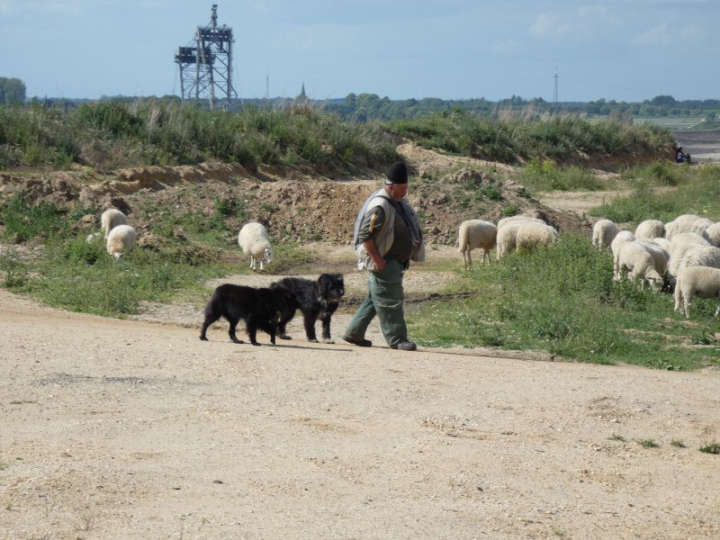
x: 370, y: 247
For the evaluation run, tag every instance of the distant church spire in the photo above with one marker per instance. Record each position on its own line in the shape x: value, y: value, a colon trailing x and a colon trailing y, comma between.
x: 302, y: 96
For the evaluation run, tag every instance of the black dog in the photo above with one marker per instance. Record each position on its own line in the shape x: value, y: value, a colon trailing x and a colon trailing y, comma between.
x: 316, y: 299
x: 261, y: 308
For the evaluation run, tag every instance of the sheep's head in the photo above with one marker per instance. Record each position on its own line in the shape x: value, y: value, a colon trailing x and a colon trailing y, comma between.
x: 267, y: 256
x: 655, y: 280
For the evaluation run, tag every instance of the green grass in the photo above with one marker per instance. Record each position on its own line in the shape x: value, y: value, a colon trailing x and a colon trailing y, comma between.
x: 561, y: 139
x: 546, y: 176
x: 648, y: 443
x: 72, y: 274
x: 678, y: 443
x: 108, y: 135
x: 615, y: 437
x: 712, y: 448
x: 563, y: 300
x: 698, y: 193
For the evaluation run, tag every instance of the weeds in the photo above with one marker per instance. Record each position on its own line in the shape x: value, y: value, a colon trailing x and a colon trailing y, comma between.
x: 648, y: 443
x: 700, y: 194
x: 546, y: 175
x: 562, y: 300
x: 615, y: 437
x: 678, y: 443
x: 712, y: 448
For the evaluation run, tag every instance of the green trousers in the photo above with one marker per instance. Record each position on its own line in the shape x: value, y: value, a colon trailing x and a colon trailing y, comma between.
x: 384, y: 299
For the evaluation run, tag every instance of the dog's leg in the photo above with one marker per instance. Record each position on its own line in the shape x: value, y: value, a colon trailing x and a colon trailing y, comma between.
x: 325, y: 318
x: 252, y: 331
x: 309, y: 320
x: 284, y: 319
x: 209, y: 319
x: 233, y: 336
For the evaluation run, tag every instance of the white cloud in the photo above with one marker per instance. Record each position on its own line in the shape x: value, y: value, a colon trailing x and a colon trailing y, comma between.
x: 508, y: 46
x: 583, y: 21
x: 670, y: 35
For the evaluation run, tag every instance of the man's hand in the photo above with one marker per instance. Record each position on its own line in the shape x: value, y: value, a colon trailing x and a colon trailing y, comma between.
x: 379, y: 262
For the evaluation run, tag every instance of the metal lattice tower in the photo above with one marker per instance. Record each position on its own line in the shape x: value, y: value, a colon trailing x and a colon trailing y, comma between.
x: 206, y: 64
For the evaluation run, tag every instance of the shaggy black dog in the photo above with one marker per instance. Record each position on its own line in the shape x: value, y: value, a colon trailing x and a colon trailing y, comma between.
x: 261, y: 309
x: 316, y: 299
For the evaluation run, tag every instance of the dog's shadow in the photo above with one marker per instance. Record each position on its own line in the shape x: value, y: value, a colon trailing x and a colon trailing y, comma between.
x: 306, y: 348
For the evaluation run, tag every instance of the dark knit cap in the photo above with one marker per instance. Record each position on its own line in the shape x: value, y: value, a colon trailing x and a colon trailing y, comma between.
x: 397, y: 174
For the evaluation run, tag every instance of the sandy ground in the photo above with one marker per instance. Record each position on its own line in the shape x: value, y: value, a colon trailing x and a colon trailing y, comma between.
x: 132, y: 429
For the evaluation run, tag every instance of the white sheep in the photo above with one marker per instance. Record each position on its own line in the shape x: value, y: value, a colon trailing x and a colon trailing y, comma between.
x: 700, y: 256
x: 679, y: 245
x: 110, y: 218
x: 122, y: 238
x: 604, y: 231
x: 515, y: 219
x: 618, y: 242
x: 650, y: 228
x: 253, y: 239
x: 694, y: 281
x: 660, y: 255
x: 531, y: 235
x: 662, y: 242
x: 712, y: 234
x: 686, y: 223
x: 640, y: 264
x: 476, y: 233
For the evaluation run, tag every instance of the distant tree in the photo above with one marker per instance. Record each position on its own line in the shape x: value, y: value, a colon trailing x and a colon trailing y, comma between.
x: 663, y: 101
x: 12, y: 91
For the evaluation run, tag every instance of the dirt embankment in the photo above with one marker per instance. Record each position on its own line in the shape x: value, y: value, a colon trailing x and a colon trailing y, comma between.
x: 445, y: 191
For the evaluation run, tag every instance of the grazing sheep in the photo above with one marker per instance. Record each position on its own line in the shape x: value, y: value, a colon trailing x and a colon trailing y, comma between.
x: 506, y: 236
x: 90, y: 238
x: 515, y: 219
x: 476, y: 233
x: 694, y: 281
x: 650, y: 228
x: 712, y: 234
x: 531, y: 235
x: 679, y: 245
x: 604, y: 231
x: 640, y: 264
x: 660, y: 255
x: 686, y: 223
x: 122, y: 238
x: 110, y: 218
x: 700, y: 256
x: 253, y: 239
x: 662, y: 242
x: 620, y: 239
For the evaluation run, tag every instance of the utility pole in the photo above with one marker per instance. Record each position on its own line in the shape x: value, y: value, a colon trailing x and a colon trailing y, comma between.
x: 555, y: 90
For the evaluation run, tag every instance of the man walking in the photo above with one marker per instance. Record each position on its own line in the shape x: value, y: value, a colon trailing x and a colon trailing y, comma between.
x: 387, y: 236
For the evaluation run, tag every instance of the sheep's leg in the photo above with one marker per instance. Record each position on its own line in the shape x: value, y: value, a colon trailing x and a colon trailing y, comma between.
x: 678, y: 298
x: 252, y: 262
x: 261, y: 264
x: 469, y: 259
x: 231, y: 332
x: 717, y: 310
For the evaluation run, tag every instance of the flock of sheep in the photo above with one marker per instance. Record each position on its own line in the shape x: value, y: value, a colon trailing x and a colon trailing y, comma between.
x: 683, y: 254
x: 120, y: 237
x: 521, y: 233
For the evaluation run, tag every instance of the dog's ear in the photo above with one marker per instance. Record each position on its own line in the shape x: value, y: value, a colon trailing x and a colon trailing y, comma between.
x: 324, y: 285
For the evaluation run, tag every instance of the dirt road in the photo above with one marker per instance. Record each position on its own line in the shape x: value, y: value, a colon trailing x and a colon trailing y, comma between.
x: 128, y: 429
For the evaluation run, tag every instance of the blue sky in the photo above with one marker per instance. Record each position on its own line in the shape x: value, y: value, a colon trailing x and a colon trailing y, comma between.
x: 625, y: 50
